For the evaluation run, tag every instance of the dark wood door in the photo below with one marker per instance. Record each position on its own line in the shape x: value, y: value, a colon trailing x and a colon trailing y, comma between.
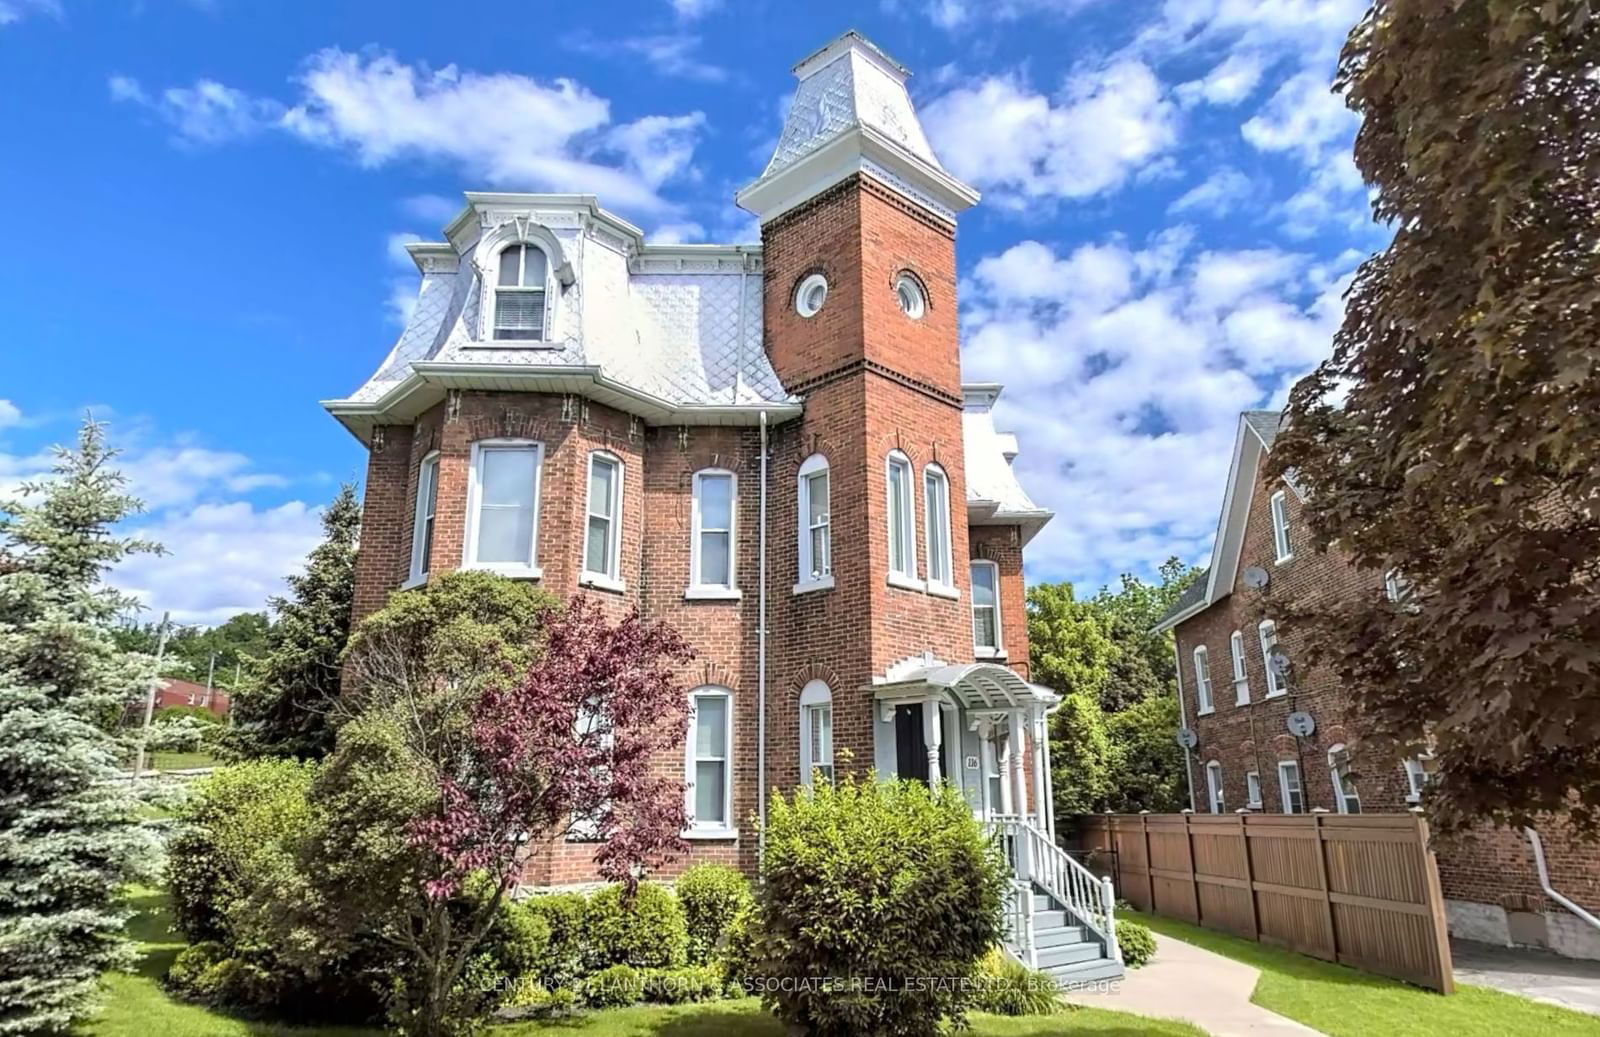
x: 911, y: 752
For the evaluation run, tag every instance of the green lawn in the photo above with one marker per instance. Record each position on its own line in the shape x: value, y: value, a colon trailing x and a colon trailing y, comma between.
x: 164, y: 761
x: 136, y: 1006
x: 1343, y: 1002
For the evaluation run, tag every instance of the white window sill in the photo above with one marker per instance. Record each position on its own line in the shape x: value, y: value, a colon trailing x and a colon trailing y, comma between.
x: 1276, y: 694
x: 514, y: 572
x: 1253, y: 806
x: 824, y: 583
x: 712, y: 594
x: 696, y: 834
x: 980, y: 652
x: 412, y: 583
x: 941, y: 590
x: 1284, y: 560
x: 513, y: 343
x: 904, y: 582
x: 600, y: 581
x: 1241, y: 702
x: 1205, y: 712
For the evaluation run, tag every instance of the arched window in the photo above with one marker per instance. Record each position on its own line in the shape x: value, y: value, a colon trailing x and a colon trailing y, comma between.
x: 1281, y: 543
x: 1241, y: 683
x: 816, y: 732
x: 708, y: 767
x: 603, y: 532
x: 936, y: 526
x: 1268, y: 632
x: 1214, y: 786
x: 711, y: 549
x: 519, y: 293
x: 816, y: 526
x: 902, y: 519
x: 422, y: 521
x: 1202, y: 679
x: 1344, y: 790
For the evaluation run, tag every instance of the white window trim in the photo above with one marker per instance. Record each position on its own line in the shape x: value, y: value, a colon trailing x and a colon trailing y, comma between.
x: 815, y: 693
x: 1339, y: 798
x: 697, y: 590
x: 1283, y: 785
x: 610, y: 581
x: 711, y: 830
x: 469, y: 548
x: 999, y: 649
x: 496, y: 288
x: 905, y: 578
x: 1204, y: 701
x: 1275, y: 685
x: 1416, y: 779
x: 1216, y: 796
x: 1278, y: 505
x: 1241, y: 679
x: 946, y: 551
x: 1253, y: 777
x: 804, y: 289
x: 812, y: 466
x: 427, y: 471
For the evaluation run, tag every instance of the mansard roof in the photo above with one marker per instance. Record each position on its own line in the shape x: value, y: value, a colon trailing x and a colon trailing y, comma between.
x: 994, y: 496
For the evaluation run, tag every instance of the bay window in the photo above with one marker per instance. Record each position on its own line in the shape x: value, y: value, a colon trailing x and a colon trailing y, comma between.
x: 503, y: 506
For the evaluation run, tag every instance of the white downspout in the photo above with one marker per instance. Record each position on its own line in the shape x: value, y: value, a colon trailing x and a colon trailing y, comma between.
x: 1183, y: 719
x: 1544, y: 880
x: 761, y: 655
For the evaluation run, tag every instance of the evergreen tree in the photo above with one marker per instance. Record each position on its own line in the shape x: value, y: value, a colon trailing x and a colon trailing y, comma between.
x: 289, y: 712
x: 69, y: 834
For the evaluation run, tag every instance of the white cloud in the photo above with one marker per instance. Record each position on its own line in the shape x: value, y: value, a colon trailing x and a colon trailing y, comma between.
x: 1217, y: 195
x: 1105, y: 125
x: 435, y: 208
x: 1229, y: 83
x: 690, y: 9
x: 395, y: 249
x: 163, y: 476
x: 402, y: 301
x: 205, y: 113
x: 10, y: 413
x: 1304, y: 117
x: 955, y: 14
x: 15, y: 10
x: 670, y: 54
x: 678, y: 233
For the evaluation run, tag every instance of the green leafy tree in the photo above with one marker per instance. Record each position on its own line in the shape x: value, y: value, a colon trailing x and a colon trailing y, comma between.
x: 1082, y: 758
x: 69, y: 834
x: 1147, y: 771
x: 1453, y: 433
x: 1069, y: 646
x: 235, y: 646
x: 290, y: 709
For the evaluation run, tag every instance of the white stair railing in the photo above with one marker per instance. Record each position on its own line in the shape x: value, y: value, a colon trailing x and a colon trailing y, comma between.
x: 1036, y: 860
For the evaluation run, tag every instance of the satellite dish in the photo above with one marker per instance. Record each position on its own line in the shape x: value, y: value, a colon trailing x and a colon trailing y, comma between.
x: 1280, y: 662
x: 1256, y: 577
x: 1301, y: 725
x: 1187, y: 738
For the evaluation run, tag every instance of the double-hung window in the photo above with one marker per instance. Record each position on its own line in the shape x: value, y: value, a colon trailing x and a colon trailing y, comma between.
x: 603, y: 532
x: 1268, y: 633
x: 1280, y: 526
x: 816, y: 528
x: 1289, y: 787
x: 1214, y: 787
x: 711, y: 549
x: 986, y: 610
x: 1416, y: 778
x: 503, y: 506
x: 1252, y: 788
x: 936, y: 526
x: 902, y: 521
x: 816, y: 732
x: 423, y: 519
x: 519, y: 293
x: 1202, y: 680
x: 1241, y: 683
x: 1344, y: 789
x: 709, y: 772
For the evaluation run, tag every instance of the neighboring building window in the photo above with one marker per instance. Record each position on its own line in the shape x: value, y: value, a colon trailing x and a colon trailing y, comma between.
x: 985, y: 609
x: 1268, y: 632
x: 936, y: 503
x: 1252, y: 788
x: 909, y: 294
x: 902, y: 524
x: 810, y: 296
x: 1344, y: 790
x: 1416, y: 778
x: 1202, y: 679
x: 1214, y: 785
x: 816, y: 527
x: 1395, y: 587
x: 602, y: 537
x: 519, y: 293
x: 711, y: 550
x: 816, y: 732
x: 423, y: 519
x: 1280, y: 526
x: 503, y: 506
x: 1289, y: 787
x: 1241, y: 683
x: 593, y: 729
x: 709, y: 777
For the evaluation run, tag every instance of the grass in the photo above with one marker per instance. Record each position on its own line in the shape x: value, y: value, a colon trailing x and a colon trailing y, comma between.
x: 165, y: 761
x: 1343, y: 1002
x: 136, y: 1006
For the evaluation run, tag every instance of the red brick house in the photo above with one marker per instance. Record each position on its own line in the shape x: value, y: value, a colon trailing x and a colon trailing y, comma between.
x: 175, y: 692
x: 768, y: 446
x: 1248, y: 755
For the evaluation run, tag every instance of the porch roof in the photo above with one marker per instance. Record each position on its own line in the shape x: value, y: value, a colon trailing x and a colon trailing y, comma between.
x: 974, y: 685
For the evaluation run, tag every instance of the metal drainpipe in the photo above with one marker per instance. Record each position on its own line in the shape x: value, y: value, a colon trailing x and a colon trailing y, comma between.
x: 761, y: 656
x: 1544, y: 880
x: 1183, y: 718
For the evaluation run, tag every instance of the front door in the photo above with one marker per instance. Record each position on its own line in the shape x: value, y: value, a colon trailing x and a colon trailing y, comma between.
x: 910, y: 751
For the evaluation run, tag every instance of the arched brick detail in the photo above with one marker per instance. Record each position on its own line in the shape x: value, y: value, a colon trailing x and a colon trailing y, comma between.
x: 1284, y: 746
x: 508, y: 423
x: 808, y: 673
x: 1336, y: 734
x: 1247, y: 748
x: 897, y: 440
x: 713, y: 672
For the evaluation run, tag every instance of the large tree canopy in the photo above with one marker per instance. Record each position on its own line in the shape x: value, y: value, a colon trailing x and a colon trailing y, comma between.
x: 1464, y: 450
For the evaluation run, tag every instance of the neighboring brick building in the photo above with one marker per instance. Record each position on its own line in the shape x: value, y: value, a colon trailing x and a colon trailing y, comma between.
x: 702, y: 432
x: 1245, y: 755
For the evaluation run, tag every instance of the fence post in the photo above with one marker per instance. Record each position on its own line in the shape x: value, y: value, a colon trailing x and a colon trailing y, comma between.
x: 1194, y: 877
x: 1149, y: 879
x: 1249, y: 876
x: 1441, y: 933
x: 1327, y: 893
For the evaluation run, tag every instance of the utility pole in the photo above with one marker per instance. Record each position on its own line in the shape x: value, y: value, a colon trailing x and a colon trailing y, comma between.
x: 211, y: 677
x: 150, y: 696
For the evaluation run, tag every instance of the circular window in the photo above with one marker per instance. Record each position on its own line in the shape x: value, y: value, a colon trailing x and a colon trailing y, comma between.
x: 913, y: 301
x: 810, y: 296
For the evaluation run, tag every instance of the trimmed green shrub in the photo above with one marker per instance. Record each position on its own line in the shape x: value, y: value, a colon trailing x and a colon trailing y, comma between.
x: 612, y: 987
x: 209, y: 973
x: 679, y: 986
x: 875, y: 881
x: 1008, y: 987
x: 1137, y: 944
x: 646, y: 932
x: 713, y: 896
x: 562, y: 914
x: 200, y: 713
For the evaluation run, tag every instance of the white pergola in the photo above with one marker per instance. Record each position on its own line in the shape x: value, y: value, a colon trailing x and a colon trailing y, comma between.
x: 996, y: 699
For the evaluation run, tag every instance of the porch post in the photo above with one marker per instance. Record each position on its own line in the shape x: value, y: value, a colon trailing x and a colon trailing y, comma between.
x: 1019, y: 771
x: 986, y: 764
x: 1041, y: 805
x: 1002, y: 767
x: 1049, y: 780
x: 932, y: 736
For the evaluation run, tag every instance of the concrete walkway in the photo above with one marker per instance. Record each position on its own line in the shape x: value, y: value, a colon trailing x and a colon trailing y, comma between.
x: 1540, y: 975
x: 1191, y: 983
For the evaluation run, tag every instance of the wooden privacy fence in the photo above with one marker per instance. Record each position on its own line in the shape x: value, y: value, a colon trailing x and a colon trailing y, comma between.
x: 1358, y: 889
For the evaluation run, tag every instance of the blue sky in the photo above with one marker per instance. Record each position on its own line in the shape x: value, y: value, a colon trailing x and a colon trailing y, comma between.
x: 208, y: 199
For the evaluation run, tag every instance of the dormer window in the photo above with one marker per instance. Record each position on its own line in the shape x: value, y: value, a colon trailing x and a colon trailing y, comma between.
x: 519, y: 293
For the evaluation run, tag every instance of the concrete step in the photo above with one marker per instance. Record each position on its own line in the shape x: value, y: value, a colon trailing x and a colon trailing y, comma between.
x: 1043, y: 902
x: 1049, y: 920
x: 1068, y: 954
x: 1057, y: 937
x: 1085, y: 971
